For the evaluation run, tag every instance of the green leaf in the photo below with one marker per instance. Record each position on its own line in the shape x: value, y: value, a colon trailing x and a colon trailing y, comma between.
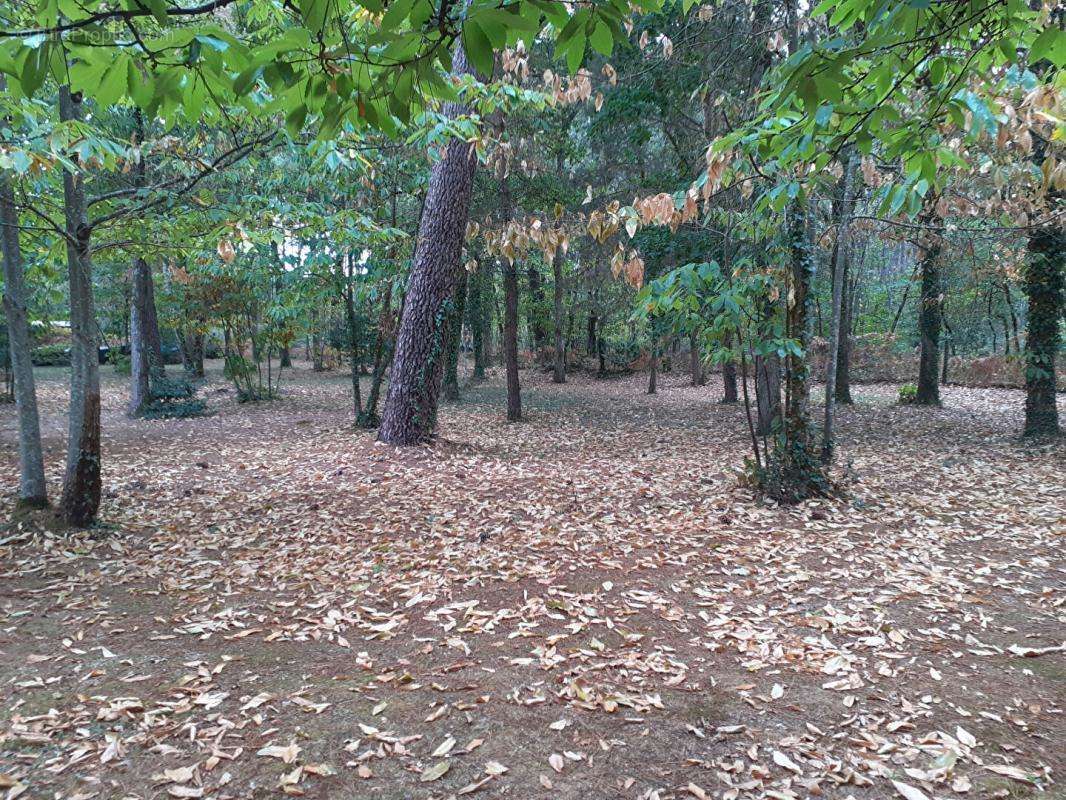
x: 602, y: 40
x: 1051, y: 44
x: 477, y: 47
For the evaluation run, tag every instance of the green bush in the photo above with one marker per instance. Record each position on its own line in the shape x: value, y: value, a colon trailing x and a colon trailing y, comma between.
x: 908, y: 393
x: 167, y: 409
x: 122, y: 363
x: 51, y: 355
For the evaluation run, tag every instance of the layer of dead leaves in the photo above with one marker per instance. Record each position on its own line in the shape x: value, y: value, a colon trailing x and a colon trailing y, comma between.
x: 583, y: 605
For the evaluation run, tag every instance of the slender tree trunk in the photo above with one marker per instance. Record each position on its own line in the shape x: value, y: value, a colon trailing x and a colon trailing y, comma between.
x: 729, y: 377
x: 591, y: 338
x: 475, y: 312
x: 695, y: 360
x: 33, y: 492
x: 418, y: 362
x: 840, y: 250
x: 653, y: 369
x: 1045, y: 291
x: 81, y: 481
x: 536, y: 322
x: 767, y: 392
x: 140, y: 360
x: 382, y: 354
x: 559, y: 375
x: 929, y: 313
x: 455, y: 340
x: 352, y: 321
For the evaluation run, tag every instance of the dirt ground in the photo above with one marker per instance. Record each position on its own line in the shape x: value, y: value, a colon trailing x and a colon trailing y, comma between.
x: 584, y: 605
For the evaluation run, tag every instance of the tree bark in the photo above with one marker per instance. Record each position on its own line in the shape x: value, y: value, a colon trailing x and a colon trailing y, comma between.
x: 536, y: 322
x: 383, y: 349
x: 559, y: 374
x: 475, y: 314
x: 840, y: 248
x: 699, y: 374
x: 767, y: 392
x: 1045, y: 290
x: 455, y: 340
x: 353, y: 334
x: 33, y: 492
x: 81, y: 481
x: 140, y: 361
x: 729, y: 378
x: 418, y: 363
x: 653, y: 369
x: 929, y: 313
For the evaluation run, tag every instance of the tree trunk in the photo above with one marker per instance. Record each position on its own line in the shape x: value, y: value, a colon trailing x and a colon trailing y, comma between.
x: 929, y: 314
x: 33, y: 492
x: 1045, y: 290
x: 475, y: 312
x: 536, y: 322
x: 382, y: 355
x: 286, y: 357
x: 767, y: 392
x: 840, y: 251
x: 591, y: 338
x: 418, y: 363
x: 559, y: 374
x: 455, y: 340
x: 140, y: 360
x: 156, y: 363
x: 81, y: 481
x: 843, y: 379
x: 194, y: 353
x: 353, y: 335
x: 653, y: 369
x: 729, y: 377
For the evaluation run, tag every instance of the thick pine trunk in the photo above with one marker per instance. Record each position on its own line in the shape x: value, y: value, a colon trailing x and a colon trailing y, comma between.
x: 1045, y: 290
x: 929, y: 314
x: 455, y: 340
x: 418, y: 363
x: 140, y: 359
x: 559, y: 373
x: 81, y: 481
x: 33, y: 492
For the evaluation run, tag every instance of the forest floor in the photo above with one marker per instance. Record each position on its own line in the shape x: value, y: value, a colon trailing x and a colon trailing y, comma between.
x: 585, y: 605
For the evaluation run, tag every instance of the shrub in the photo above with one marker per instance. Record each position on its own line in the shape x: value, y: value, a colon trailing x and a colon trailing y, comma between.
x: 169, y: 409
x: 908, y: 393
x: 121, y: 362
x: 51, y: 355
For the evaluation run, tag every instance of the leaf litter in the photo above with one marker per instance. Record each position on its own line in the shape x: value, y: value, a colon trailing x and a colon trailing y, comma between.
x: 586, y: 600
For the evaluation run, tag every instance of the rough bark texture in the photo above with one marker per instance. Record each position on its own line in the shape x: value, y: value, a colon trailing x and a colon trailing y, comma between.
x: 33, y: 491
x: 767, y: 392
x: 559, y: 372
x: 1045, y: 277
x: 929, y: 314
x: 156, y: 364
x: 81, y: 481
x: 352, y: 322
x: 536, y: 322
x: 840, y: 247
x: 455, y: 340
x: 842, y: 395
x: 418, y: 363
x: 286, y: 357
x: 475, y: 314
x: 729, y: 378
x: 699, y: 374
x: 140, y: 360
